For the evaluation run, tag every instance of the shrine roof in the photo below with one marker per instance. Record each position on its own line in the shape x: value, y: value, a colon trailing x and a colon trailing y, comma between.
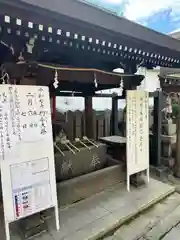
x: 169, y: 72
x: 71, y: 79
x: 97, y: 35
x: 170, y: 80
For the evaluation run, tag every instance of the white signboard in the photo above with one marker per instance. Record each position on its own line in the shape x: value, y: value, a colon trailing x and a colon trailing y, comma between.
x: 26, y: 152
x: 137, y: 131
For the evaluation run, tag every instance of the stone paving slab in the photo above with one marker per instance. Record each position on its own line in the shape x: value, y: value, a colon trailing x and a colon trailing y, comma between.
x: 164, y: 226
x: 147, y: 220
x: 96, y: 216
x: 174, y: 234
x: 108, y: 238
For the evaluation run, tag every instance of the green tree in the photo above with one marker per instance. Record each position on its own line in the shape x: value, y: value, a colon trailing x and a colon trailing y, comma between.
x: 175, y: 110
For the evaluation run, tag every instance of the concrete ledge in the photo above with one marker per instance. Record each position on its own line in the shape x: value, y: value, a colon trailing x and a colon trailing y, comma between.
x: 79, y: 188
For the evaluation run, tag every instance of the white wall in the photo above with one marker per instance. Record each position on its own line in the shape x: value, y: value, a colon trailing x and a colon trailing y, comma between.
x: 151, y: 81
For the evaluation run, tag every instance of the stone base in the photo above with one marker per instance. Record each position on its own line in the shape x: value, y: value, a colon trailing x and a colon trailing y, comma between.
x: 137, y: 180
x: 32, y: 227
x: 169, y: 129
x: 177, y: 174
x: 168, y: 162
x: 160, y: 172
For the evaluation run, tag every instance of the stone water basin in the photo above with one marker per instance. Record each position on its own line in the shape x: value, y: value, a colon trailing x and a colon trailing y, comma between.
x: 79, y: 160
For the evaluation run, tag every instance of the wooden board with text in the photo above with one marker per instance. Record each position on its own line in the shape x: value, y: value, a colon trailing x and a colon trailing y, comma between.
x: 137, y: 131
x: 26, y: 152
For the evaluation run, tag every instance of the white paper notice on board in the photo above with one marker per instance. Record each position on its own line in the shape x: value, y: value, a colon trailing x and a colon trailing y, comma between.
x: 137, y: 131
x: 26, y: 151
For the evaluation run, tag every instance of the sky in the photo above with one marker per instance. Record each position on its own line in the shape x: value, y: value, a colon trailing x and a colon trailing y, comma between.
x: 160, y: 15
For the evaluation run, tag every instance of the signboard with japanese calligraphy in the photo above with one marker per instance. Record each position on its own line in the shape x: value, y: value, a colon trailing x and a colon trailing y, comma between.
x: 137, y: 132
x: 26, y: 152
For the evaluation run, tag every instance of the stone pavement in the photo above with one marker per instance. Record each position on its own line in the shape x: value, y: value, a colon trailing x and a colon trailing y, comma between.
x: 94, y: 217
x: 174, y: 234
x: 162, y: 221
x: 159, y: 222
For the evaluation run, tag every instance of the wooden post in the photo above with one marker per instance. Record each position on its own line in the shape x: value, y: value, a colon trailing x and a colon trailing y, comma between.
x: 157, y: 126
x: 114, y: 116
x: 53, y: 108
x: 177, y: 160
x: 89, y: 117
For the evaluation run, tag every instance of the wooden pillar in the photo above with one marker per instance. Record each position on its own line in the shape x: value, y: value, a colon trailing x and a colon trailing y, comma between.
x: 89, y: 117
x: 157, y: 129
x: 114, y: 116
x: 177, y: 160
x: 53, y: 108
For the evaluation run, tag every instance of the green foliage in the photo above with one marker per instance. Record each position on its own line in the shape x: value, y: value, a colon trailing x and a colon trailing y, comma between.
x: 175, y: 110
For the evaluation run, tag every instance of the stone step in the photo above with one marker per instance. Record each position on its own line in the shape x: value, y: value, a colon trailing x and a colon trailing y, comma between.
x: 164, y: 226
x: 154, y: 223
x: 173, y: 234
